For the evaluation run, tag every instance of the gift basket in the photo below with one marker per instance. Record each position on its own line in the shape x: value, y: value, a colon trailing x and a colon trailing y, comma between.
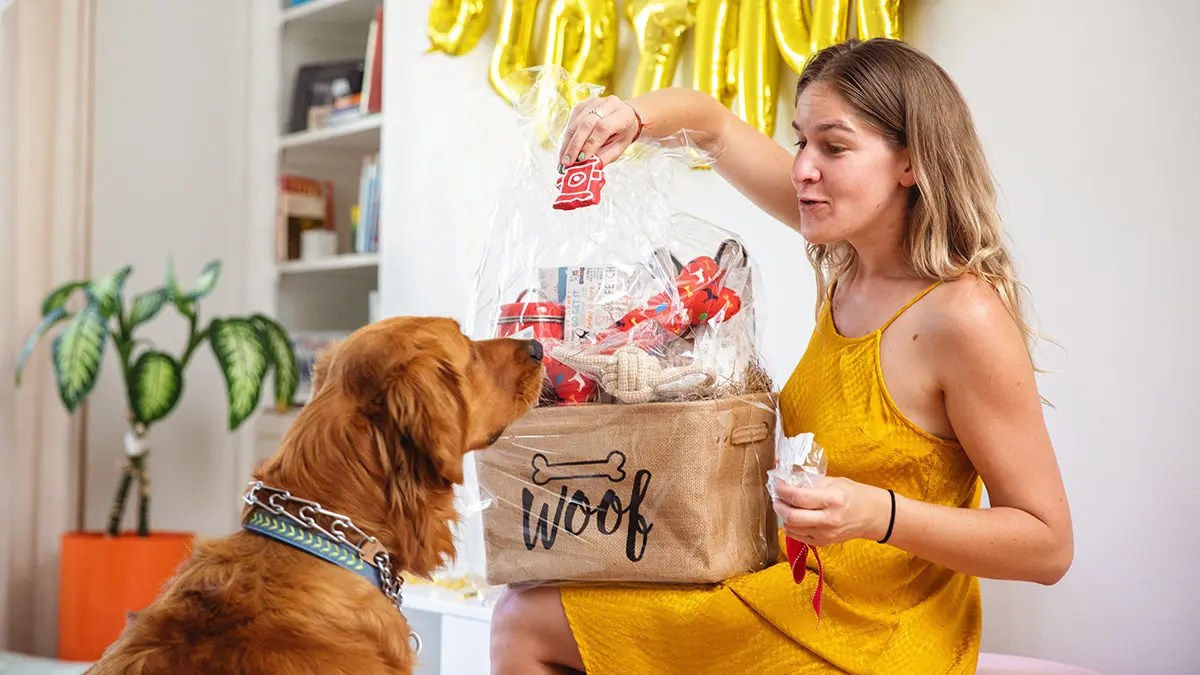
x: 646, y: 459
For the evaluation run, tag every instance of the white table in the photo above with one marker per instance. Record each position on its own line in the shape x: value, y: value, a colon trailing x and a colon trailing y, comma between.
x: 454, y: 633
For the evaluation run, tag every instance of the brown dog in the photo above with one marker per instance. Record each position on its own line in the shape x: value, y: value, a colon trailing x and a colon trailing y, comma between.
x: 395, y: 407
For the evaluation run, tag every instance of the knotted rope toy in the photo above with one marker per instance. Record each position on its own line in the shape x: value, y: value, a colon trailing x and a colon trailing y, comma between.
x: 632, y: 375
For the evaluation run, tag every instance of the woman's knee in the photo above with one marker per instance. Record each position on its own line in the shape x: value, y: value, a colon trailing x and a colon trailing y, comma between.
x: 516, y: 616
x: 529, y: 626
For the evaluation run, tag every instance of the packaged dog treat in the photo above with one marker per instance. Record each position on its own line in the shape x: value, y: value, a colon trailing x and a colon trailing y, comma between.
x: 647, y: 457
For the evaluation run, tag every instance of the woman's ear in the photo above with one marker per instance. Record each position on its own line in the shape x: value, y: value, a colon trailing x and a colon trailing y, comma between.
x: 426, y: 404
x: 908, y: 176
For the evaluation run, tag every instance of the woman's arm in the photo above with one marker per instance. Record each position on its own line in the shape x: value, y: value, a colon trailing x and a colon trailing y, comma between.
x: 751, y: 161
x: 992, y: 401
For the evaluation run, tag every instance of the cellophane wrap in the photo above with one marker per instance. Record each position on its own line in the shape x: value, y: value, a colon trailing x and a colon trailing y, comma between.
x: 646, y: 459
x: 799, y: 462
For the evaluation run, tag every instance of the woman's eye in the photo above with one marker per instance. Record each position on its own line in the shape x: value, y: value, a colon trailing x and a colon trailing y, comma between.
x: 836, y: 149
x: 800, y: 144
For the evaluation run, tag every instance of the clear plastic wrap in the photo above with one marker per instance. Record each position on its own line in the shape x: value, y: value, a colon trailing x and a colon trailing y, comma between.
x: 647, y: 457
x: 799, y: 462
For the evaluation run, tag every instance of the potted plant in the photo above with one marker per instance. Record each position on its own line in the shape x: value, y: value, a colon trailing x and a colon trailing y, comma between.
x: 105, y: 575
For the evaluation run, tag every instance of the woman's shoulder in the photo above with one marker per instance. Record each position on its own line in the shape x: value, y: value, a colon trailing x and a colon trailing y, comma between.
x: 967, y: 322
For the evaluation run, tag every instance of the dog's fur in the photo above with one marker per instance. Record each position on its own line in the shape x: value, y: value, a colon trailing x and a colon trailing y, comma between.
x: 395, y: 408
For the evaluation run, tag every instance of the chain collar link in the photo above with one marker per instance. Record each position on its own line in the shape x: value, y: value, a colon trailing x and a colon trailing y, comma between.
x: 342, y: 529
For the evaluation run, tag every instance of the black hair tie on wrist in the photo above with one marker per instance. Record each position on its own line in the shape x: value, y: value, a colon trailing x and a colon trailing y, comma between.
x: 891, y: 521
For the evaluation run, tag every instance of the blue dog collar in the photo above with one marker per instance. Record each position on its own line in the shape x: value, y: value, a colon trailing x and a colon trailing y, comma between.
x: 309, y: 541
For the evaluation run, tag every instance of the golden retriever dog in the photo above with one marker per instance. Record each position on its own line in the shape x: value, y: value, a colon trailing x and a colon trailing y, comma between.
x: 395, y: 408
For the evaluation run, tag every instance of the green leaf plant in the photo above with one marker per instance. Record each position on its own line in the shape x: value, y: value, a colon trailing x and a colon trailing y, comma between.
x: 247, y: 349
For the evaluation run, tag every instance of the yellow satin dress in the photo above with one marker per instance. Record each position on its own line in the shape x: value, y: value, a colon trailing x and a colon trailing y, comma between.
x: 884, y: 611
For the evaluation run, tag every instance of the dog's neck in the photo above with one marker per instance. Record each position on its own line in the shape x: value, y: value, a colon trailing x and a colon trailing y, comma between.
x: 333, y: 460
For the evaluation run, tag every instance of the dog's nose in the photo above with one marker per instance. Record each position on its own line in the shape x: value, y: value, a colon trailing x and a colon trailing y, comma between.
x: 535, y: 350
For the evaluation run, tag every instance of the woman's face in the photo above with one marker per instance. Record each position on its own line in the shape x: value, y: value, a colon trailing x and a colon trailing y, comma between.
x: 850, y: 182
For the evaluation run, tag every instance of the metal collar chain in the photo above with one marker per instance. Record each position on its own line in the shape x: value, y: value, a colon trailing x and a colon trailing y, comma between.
x: 342, y: 529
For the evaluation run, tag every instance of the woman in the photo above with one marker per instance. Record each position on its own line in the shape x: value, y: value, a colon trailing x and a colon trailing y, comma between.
x: 918, y: 379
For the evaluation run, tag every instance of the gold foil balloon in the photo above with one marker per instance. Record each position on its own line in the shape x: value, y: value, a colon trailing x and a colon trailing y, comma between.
x: 802, y: 27
x: 830, y: 22
x: 514, y: 45
x: 455, y: 26
x: 714, y: 48
x: 659, y: 26
x: 757, y: 67
x: 544, y: 96
x: 790, y: 20
x: 581, y: 36
x: 879, y: 18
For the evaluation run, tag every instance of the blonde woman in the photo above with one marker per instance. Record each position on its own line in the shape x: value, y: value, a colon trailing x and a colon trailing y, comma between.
x: 918, y: 380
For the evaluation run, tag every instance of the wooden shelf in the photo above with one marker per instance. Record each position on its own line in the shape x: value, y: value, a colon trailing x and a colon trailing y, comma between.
x: 346, y: 261
x: 329, y: 11
x: 355, y: 138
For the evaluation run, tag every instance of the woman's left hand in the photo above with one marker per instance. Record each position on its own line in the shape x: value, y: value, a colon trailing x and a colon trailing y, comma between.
x: 833, y: 511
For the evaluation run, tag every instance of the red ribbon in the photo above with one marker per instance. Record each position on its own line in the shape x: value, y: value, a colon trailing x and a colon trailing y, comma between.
x: 797, y: 554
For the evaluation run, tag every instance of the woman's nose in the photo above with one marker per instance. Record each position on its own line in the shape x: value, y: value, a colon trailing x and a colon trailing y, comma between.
x: 803, y: 169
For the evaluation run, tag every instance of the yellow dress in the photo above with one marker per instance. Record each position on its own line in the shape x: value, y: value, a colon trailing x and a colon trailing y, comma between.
x: 884, y: 611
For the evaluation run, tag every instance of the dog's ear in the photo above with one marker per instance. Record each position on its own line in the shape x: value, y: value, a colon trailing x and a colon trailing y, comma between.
x: 320, y: 370
x: 425, y: 401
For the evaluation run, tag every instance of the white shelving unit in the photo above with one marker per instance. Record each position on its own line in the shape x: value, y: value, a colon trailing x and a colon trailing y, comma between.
x: 345, y: 261
x: 327, y: 294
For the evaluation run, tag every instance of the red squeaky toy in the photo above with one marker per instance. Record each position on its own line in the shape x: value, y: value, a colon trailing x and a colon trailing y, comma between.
x: 702, y: 296
x: 580, y: 185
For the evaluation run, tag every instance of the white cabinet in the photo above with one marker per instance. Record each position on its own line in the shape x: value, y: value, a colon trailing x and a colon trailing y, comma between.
x: 455, y: 634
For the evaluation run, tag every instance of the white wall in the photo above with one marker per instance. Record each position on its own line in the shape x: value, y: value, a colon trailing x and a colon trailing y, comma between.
x: 1088, y: 112
x: 170, y: 180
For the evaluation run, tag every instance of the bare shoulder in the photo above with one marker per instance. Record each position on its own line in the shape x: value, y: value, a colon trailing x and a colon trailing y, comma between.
x: 970, y: 328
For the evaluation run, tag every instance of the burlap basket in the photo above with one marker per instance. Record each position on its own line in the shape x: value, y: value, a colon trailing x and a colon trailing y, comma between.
x: 659, y: 492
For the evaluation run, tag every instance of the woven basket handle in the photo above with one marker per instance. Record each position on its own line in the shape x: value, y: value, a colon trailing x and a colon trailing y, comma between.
x: 750, y: 433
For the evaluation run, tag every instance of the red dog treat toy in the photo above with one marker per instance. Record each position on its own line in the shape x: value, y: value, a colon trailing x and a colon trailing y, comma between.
x: 570, y: 386
x: 580, y: 185
x: 702, y: 297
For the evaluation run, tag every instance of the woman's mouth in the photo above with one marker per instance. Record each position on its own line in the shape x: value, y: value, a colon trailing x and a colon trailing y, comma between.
x: 811, y: 205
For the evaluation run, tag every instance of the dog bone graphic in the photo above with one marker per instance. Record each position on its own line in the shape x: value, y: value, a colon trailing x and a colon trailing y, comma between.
x: 611, y: 467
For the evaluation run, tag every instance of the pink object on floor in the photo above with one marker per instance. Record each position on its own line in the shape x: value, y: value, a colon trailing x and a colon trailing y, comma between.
x: 1003, y: 664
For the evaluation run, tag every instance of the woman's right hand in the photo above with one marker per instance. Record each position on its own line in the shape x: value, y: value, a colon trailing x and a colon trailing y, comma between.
x: 599, y: 126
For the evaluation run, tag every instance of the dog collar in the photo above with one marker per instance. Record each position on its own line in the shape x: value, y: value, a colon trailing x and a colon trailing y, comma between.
x: 343, y: 544
x: 314, y: 542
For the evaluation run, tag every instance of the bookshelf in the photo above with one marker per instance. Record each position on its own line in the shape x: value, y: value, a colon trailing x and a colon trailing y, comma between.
x: 345, y: 261
x: 312, y: 177
x: 325, y: 12
x: 322, y: 270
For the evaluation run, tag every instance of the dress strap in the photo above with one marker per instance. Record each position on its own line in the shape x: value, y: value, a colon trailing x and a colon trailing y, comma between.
x: 910, y: 303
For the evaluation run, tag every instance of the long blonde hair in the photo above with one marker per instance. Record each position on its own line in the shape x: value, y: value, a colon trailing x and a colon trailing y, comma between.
x: 954, y: 227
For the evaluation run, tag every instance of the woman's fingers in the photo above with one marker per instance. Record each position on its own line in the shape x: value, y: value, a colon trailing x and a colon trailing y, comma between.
x: 608, y: 130
x: 578, y: 128
x: 802, y: 498
x: 596, y: 124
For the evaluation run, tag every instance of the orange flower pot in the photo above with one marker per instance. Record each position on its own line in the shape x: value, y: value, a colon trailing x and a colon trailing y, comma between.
x: 102, y: 578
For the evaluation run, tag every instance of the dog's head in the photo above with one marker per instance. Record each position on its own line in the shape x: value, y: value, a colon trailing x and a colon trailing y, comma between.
x: 431, y: 393
x: 395, y: 407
